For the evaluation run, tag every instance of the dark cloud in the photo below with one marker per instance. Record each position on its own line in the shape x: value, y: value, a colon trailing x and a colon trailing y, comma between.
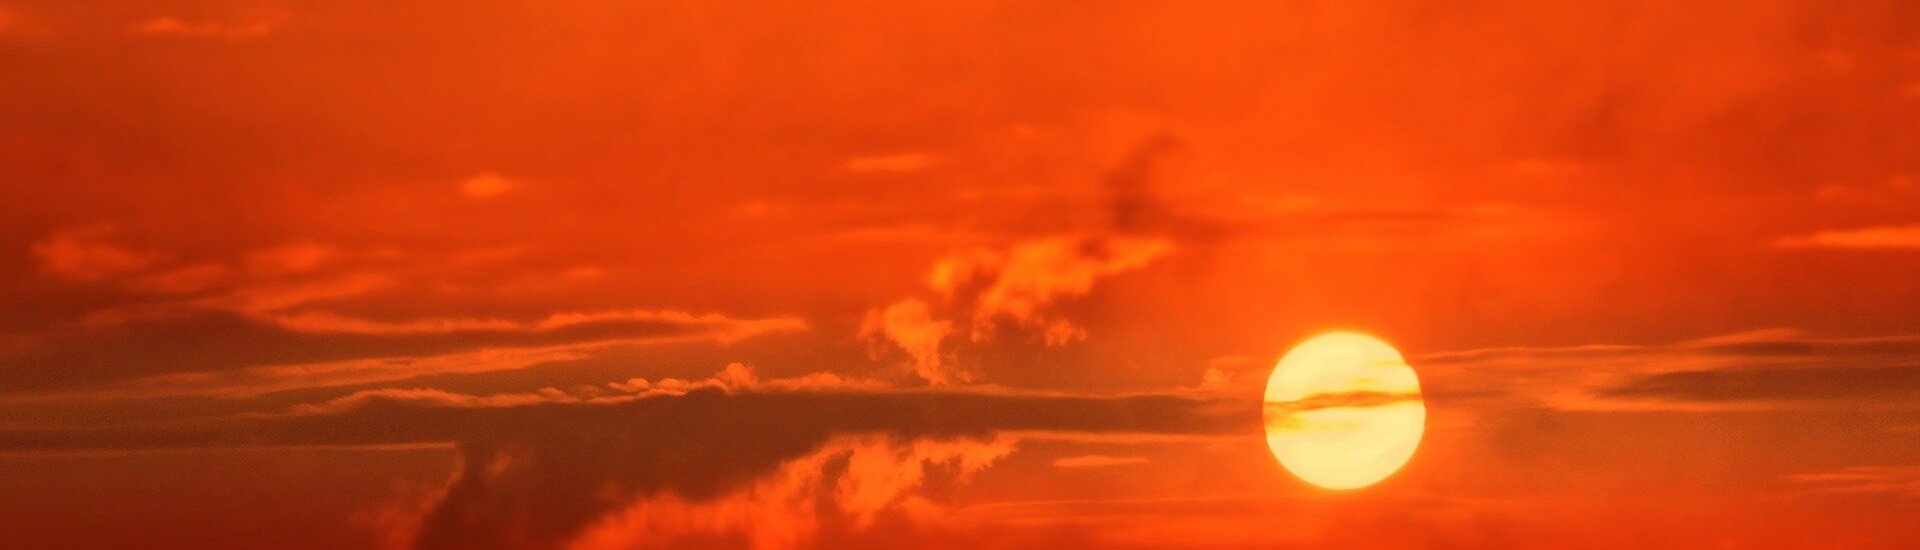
x: 1129, y: 185
x: 1856, y: 385
x: 1772, y: 368
x: 537, y: 475
x: 1333, y: 400
x: 1766, y: 343
x: 908, y: 413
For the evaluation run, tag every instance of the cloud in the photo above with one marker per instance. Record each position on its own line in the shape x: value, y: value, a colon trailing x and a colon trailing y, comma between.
x: 735, y: 378
x: 487, y: 186
x: 985, y: 287
x: 174, y: 329
x: 1755, y: 370
x: 1864, y: 480
x: 434, y: 398
x: 899, y: 163
x: 1129, y: 186
x: 849, y: 481
x: 980, y: 289
x: 1097, y: 461
x: 290, y: 259
x: 556, y: 488
x: 909, y: 325
x: 497, y: 351
x: 183, y: 280
x: 195, y: 355
x: 323, y: 322
x: 1857, y: 386
x: 1903, y: 237
x: 276, y: 278
x: 731, y: 399
x: 1019, y: 283
x: 1339, y: 400
x: 548, y: 468
x: 85, y: 255
x: 168, y: 26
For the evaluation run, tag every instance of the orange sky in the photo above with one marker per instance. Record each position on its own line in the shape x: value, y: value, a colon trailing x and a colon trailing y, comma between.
x: 598, y: 274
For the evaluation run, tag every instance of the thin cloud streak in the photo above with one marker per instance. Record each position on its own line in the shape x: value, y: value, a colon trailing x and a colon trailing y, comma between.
x: 1748, y: 371
x: 1889, y: 237
x: 1097, y: 461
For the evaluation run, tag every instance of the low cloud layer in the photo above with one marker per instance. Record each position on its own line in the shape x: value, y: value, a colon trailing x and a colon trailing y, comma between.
x: 652, y: 462
x: 1755, y: 370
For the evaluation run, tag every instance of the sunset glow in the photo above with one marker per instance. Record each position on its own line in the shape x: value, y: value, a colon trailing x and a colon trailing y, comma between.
x: 959, y: 274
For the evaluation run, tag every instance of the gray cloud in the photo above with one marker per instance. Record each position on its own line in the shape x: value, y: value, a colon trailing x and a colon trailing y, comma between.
x: 1858, y: 385
x: 539, y: 472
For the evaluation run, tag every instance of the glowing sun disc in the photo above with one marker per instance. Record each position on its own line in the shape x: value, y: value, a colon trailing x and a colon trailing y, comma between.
x: 1343, y: 410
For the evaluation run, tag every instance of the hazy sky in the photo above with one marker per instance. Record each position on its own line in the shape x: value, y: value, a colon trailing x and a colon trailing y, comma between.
x: 836, y: 274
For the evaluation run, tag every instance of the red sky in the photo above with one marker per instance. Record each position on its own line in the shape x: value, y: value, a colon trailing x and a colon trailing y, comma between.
x: 597, y: 274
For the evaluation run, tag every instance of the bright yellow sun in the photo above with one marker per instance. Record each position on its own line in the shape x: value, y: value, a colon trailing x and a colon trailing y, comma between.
x: 1343, y: 410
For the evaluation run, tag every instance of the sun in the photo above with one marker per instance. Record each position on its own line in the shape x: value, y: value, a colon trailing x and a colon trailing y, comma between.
x: 1343, y: 410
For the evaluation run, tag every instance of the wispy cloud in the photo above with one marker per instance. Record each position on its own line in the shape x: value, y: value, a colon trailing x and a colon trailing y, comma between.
x: 1900, y: 237
x: 896, y: 163
x: 1339, y: 400
x: 87, y: 254
x: 667, y: 328
x: 169, y: 26
x: 172, y: 328
x: 487, y: 186
x: 1896, y: 480
x: 1097, y: 461
x: 1755, y: 370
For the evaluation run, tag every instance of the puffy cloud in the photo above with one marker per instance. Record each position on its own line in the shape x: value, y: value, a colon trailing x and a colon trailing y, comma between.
x: 980, y: 288
x: 850, y: 480
x: 909, y: 325
x: 1018, y: 284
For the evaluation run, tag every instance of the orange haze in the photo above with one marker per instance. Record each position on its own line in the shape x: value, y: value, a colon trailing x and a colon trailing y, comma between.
x: 951, y: 274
